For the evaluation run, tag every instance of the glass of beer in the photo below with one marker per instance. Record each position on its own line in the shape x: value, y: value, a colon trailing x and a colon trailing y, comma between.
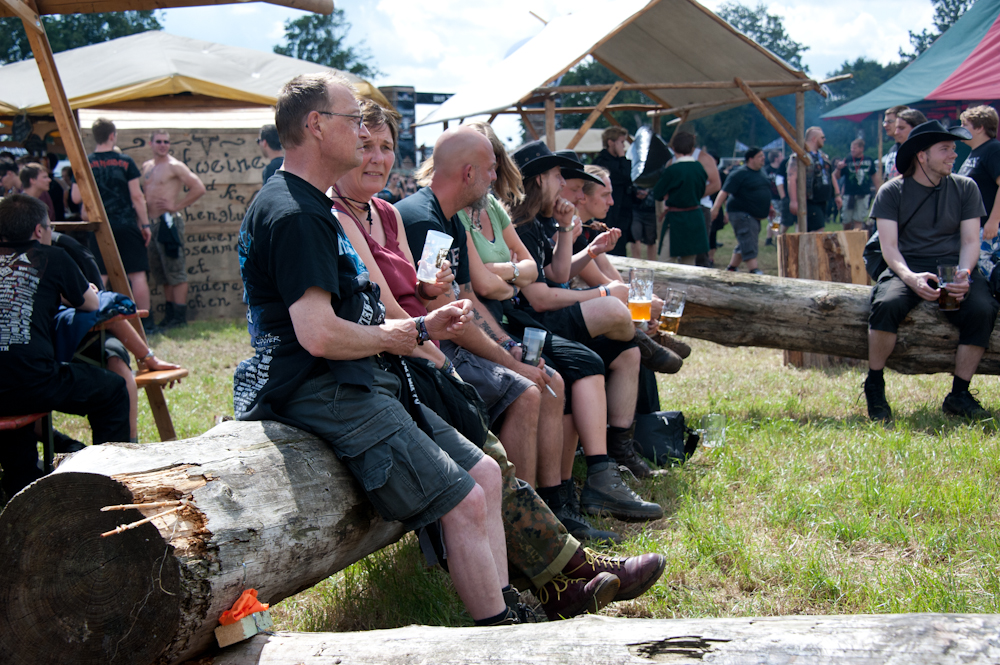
x: 640, y: 293
x: 673, y: 308
x: 947, y: 275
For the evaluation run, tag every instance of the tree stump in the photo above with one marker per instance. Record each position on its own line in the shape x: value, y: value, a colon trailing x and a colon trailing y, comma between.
x: 827, y: 257
x: 266, y: 506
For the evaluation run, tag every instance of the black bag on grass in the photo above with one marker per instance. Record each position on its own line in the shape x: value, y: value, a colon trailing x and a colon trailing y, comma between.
x: 664, y: 438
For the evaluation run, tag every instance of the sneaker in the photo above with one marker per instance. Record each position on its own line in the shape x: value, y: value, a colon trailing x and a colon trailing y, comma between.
x: 605, y: 493
x: 512, y: 597
x: 635, y: 573
x: 568, y: 512
x: 563, y: 597
x: 655, y: 357
x: 731, y: 269
x: 964, y: 405
x: 878, y: 405
x: 756, y: 271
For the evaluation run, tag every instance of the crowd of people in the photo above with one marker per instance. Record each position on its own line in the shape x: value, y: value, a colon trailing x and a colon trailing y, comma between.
x: 421, y: 386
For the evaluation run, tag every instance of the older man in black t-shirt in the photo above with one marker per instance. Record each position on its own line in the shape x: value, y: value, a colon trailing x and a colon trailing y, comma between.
x: 323, y: 349
x: 749, y: 194
x: 928, y: 218
x: 34, y: 279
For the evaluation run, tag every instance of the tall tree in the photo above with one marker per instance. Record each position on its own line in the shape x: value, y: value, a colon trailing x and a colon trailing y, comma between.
x: 766, y: 29
x: 323, y: 40
x: 946, y: 12
x: 866, y: 76
x: 71, y: 31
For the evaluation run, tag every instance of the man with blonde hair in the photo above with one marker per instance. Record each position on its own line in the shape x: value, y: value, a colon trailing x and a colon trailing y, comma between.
x: 983, y: 163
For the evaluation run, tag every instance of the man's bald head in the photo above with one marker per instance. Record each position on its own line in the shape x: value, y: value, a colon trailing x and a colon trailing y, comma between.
x: 464, y: 165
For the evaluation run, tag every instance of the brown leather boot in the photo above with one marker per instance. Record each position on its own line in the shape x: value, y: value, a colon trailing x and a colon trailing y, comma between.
x: 621, y: 448
x: 635, y: 573
x: 655, y: 357
x: 564, y: 597
x: 672, y: 343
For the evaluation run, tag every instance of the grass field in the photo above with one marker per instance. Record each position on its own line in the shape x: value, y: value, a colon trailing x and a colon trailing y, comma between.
x: 807, y: 509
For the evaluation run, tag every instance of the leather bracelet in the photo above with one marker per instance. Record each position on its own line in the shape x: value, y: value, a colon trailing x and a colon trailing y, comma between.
x: 420, y: 291
x: 422, y: 334
x: 603, y: 289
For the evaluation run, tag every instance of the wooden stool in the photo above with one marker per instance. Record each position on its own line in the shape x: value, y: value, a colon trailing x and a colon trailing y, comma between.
x: 48, y: 447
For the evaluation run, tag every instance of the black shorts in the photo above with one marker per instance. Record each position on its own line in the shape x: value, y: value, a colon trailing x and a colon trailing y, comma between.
x: 892, y: 300
x: 569, y: 323
x: 131, y: 247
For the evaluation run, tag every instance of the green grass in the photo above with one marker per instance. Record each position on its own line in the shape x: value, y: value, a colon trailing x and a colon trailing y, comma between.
x: 809, y: 508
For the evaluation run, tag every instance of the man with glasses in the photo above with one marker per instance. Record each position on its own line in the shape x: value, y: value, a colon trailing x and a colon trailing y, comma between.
x: 820, y: 183
x: 164, y: 179
x: 270, y: 146
x: 889, y: 159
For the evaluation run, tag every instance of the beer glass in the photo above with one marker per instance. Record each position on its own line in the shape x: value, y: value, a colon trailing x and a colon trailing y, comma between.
x: 946, y: 275
x: 640, y: 293
x: 673, y: 308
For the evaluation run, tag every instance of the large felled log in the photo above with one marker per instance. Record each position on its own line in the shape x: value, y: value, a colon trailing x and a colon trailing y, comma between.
x: 928, y: 639
x: 739, y: 309
x: 265, y: 506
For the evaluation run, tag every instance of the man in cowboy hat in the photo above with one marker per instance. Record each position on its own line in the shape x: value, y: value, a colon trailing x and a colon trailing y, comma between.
x: 928, y: 218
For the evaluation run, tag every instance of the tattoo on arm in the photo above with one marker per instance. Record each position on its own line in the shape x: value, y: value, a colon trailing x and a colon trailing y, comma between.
x: 486, y: 327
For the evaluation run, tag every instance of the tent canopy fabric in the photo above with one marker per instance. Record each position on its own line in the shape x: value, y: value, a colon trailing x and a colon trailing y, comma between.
x: 961, y: 65
x: 96, y: 6
x: 154, y: 63
x: 643, y: 41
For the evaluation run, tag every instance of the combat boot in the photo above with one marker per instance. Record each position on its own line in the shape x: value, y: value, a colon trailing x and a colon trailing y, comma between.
x: 672, y: 343
x: 605, y: 493
x: 512, y: 598
x: 655, y: 357
x: 563, y: 597
x: 568, y: 512
x: 168, y: 315
x: 621, y: 448
x: 635, y: 573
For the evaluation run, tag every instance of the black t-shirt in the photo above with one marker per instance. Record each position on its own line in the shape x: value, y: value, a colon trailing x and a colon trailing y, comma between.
x: 273, y: 166
x: 930, y: 221
x: 421, y: 213
x: 772, y: 173
x: 983, y: 166
x: 33, y: 277
x: 749, y: 191
x: 113, y: 171
x: 291, y: 241
x: 858, y: 175
x: 81, y: 255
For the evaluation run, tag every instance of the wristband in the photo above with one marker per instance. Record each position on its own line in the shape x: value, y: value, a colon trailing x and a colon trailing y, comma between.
x: 565, y: 229
x: 508, y: 344
x: 603, y: 289
x: 590, y: 253
x: 422, y: 334
x: 516, y: 290
x: 146, y: 226
x: 447, y: 367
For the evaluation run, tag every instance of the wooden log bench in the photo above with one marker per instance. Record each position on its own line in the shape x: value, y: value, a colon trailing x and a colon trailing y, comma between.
x: 740, y: 309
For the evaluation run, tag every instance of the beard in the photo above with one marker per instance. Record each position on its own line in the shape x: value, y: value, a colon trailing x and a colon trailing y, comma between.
x: 480, y: 204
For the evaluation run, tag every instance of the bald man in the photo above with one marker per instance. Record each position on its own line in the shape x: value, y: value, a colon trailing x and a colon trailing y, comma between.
x: 820, y: 183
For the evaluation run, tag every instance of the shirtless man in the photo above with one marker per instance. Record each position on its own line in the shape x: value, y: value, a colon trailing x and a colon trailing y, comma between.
x: 164, y: 179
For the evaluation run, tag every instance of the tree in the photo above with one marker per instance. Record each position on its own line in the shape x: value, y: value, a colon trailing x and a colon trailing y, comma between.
x: 867, y: 75
x: 71, y: 31
x: 591, y: 72
x: 768, y: 30
x: 321, y: 39
x: 946, y: 12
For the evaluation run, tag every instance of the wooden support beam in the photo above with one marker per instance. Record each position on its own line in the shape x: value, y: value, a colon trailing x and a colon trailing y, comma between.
x: 594, y: 115
x: 656, y: 125
x: 777, y: 114
x: 550, y: 123
x: 682, y: 118
x: 588, y: 109
x: 610, y: 118
x: 800, y: 183
x: 492, y: 118
x: 527, y: 123
x: 445, y: 123
x: 28, y: 16
x: 695, y: 85
x: 677, y: 110
x: 766, y: 111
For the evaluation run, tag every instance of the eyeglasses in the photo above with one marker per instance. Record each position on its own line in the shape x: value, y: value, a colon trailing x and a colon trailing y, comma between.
x: 162, y: 141
x: 360, y: 118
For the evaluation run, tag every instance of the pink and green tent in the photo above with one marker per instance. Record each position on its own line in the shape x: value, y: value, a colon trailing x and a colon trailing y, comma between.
x: 959, y: 69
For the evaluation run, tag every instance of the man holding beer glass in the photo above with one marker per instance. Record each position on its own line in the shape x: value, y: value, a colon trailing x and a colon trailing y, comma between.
x: 929, y: 219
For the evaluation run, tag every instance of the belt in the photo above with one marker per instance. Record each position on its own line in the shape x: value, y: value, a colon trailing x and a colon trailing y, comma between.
x: 697, y: 207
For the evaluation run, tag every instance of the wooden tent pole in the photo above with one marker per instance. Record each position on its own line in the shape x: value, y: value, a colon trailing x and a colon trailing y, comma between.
x: 550, y: 123
x: 527, y: 123
x: 777, y: 114
x: 800, y: 184
x: 610, y: 118
x: 880, y: 168
x: 73, y: 143
x: 594, y: 115
x: 770, y: 117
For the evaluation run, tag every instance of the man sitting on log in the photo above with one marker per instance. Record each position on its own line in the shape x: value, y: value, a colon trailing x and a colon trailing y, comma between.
x: 34, y: 279
x: 929, y: 218
x: 323, y: 350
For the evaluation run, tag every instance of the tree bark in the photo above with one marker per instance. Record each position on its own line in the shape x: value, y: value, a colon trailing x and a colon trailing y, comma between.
x: 845, y: 640
x: 268, y: 507
x: 739, y: 309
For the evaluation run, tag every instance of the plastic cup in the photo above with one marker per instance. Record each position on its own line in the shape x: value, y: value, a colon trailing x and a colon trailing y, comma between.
x: 436, y: 248
x: 673, y: 309
x: 713, y: 427
x: 640, y: 293
x: 533, y: 340
x: 946, y: 275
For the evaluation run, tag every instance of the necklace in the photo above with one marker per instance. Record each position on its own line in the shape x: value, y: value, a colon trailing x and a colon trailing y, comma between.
x: 359, y: 205
x: 475, y: 216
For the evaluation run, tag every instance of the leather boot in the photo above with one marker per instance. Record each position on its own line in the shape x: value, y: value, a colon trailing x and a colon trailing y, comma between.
x: 672, y: 343
x: 621, y: 448
x: 568, y: 512
x: 655, y: 357
x: 512, y: 598
x: 636, y: 573
x: 564, y: 597
x: 168, y: 315
x: 605, y: 492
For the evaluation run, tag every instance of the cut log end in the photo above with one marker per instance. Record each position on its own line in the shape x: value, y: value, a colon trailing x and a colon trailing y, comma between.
x: 80, y: 595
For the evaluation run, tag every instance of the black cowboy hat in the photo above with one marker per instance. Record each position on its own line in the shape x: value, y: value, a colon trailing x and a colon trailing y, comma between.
x: 576, y: 172
x: 535, y: 158
x: 923, y: 136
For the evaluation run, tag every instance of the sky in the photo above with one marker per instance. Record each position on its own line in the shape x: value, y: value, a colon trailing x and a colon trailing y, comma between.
x: 439, y: 45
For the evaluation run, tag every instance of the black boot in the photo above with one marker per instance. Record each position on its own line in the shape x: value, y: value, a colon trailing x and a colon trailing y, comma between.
x: 605, y: 493
x: 567, y: 509
x: 180, y: 315
x: 621, y: 448
x: 168, y: 315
